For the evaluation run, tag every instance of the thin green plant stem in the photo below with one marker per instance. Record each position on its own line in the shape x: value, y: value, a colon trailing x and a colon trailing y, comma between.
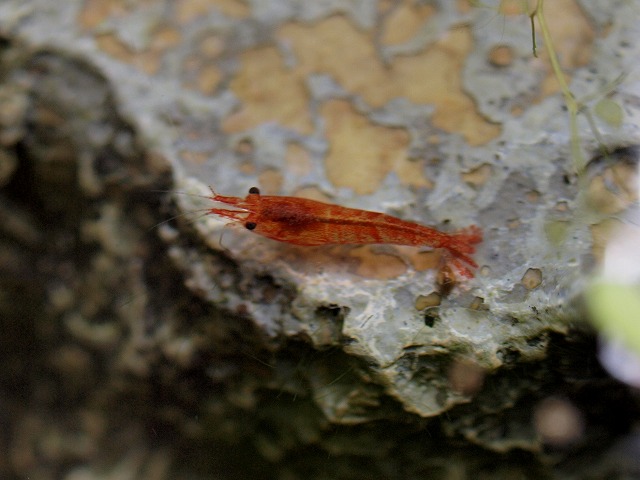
x: 572, y: 104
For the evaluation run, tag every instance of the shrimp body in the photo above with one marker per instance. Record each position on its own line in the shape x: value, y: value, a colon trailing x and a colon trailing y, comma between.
x: 301, y: 221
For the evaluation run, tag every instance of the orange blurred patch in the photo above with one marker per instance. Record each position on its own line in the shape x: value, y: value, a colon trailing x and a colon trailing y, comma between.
x: 162, y: 39
x: 362, y: 154
x: 336, y: 47
x: 188, y: 10
x: 405, y: 22
x: 268, y: 92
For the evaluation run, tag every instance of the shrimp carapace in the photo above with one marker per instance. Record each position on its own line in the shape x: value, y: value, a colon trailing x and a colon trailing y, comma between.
x: 301, y: 221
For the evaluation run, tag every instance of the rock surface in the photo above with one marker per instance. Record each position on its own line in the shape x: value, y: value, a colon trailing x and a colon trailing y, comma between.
x: 142, y: 339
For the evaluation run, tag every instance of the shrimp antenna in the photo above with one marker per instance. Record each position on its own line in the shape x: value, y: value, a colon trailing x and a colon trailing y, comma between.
x: 202, y: 212
x: 177, y: 192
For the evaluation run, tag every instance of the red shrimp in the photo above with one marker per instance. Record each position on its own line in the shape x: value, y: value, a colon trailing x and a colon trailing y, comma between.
x: 301, y: 221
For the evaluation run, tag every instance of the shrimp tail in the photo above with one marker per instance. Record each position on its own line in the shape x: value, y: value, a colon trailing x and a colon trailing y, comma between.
x: 459, y: 262
x: 463, y: 240
x: 460, y: 245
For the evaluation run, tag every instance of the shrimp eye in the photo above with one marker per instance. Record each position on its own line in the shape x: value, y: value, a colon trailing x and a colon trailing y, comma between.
x: 254, y: 190
x: 251, y: 225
